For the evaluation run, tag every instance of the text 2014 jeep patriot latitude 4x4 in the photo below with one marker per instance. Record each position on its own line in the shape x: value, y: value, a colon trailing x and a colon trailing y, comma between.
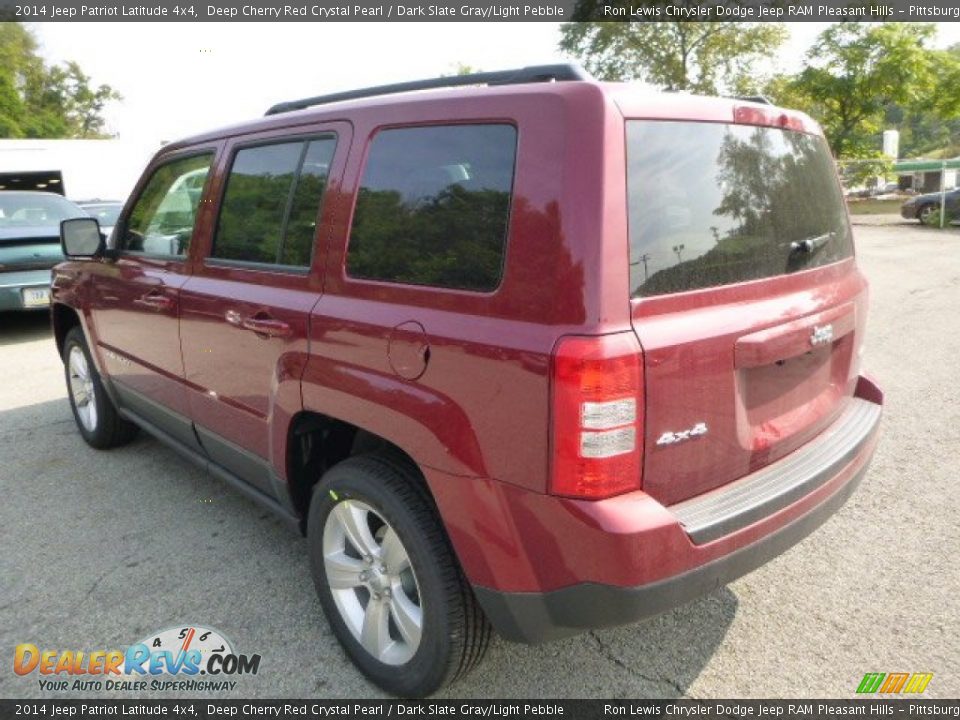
x: 541, y: 356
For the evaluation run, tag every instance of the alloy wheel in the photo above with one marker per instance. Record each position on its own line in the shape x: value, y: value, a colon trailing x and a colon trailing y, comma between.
x: 82, y: 389
x: 372, y: 582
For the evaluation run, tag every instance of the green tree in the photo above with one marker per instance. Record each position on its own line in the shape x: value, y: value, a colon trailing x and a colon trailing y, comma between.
x: 461, y: 68
x: 702, y: 57
x: 932, y: 127
x: 857, y: 71
x: 37, y: 100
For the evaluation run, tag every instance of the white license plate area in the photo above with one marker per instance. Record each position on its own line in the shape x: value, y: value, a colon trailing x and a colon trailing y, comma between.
x: 36, y: 297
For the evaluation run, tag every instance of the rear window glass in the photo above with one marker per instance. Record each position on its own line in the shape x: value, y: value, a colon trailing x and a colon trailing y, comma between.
x: 35, y: 210
x: 433, y: 206
x: 712, y: 204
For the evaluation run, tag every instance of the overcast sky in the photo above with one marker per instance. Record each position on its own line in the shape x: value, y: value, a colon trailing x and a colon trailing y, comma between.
x: 182, y: 78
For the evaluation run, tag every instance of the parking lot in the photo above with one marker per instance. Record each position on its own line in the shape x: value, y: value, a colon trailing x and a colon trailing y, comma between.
x: 101, y: 549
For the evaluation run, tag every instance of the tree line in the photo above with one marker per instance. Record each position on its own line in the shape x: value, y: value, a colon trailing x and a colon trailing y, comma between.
x: 40, y: 100
x: 857, y: 78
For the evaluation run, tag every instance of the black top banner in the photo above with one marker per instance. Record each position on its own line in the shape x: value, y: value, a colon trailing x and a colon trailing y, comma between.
x: 481, y: 10
x: 472, y: 709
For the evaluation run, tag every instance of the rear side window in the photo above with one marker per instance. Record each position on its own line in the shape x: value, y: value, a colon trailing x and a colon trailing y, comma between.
x: 713, y: 204
x: 272, y: 201
x: 434, y: 205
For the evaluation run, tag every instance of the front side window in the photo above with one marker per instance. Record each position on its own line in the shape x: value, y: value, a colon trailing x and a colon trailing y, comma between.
x: 271, y: 203
x: 162, y: 220
x: 433, y: 207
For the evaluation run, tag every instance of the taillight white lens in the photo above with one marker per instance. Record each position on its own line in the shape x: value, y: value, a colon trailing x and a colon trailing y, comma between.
x: 597, y: 416
x: 608, y: 444
x: 607, y: 415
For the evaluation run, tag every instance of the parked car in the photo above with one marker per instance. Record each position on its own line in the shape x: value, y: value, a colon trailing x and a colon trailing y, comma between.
x: 30, y: 246
x: 925, y: 207
x: 403, y: 322
x: 105, y: 211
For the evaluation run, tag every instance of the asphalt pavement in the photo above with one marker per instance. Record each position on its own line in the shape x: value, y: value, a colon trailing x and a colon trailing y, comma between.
x: 100, y: 549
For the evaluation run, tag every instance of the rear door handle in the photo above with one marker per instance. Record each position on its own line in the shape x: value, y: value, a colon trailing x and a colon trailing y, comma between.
x: 155, y: 300
x: 267, y: 326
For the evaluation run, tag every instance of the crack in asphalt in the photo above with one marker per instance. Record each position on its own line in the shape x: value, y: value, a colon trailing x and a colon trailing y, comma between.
x: 610, y: 655
x: 106, y: 574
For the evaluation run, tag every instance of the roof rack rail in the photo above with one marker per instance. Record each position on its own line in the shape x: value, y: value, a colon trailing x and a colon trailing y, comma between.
x: 534, y: 73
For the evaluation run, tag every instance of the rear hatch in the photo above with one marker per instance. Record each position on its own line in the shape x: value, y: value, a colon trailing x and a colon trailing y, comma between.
x: 744, y: 296
x: 29, y: 248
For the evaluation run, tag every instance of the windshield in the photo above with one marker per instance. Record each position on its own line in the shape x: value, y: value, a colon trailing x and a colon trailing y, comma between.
x: 713, y: 204
x: 29, y: 210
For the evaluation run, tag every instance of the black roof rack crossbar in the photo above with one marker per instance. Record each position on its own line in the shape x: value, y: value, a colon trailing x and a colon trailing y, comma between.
x: 534, y: 73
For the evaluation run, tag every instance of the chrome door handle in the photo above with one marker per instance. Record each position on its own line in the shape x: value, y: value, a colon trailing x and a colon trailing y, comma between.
x: 155, y: 301
x: 266, y: 327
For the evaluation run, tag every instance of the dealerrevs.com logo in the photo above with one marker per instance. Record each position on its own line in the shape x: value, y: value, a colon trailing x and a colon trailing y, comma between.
x: 172, y: 659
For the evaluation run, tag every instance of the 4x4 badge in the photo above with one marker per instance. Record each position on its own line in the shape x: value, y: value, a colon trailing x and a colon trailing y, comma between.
x: 669, y: 438
x: 821, y: 335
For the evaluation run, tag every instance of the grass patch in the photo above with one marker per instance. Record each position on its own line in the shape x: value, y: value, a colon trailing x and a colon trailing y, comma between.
x: 875, y: 207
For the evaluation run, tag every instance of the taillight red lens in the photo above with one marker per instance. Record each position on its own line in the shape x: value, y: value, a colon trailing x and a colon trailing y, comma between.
x: 597, y: 432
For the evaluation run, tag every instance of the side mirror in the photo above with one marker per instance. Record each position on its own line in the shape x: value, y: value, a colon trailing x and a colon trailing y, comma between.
x: 81, y: 238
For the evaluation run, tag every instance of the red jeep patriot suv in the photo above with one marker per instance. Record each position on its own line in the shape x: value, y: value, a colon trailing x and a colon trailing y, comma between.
x: 542, y: 356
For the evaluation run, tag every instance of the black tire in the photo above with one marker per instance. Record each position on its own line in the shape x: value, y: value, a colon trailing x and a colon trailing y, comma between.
x: 455, y: 632
x: 924, y: 212
x: 109, y: 429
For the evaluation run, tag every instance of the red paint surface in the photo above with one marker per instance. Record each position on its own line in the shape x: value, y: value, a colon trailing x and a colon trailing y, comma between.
x: 477, y: 417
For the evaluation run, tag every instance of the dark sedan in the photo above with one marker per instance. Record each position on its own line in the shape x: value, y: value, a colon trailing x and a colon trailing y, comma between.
x: 30, y: 246
x: 925, y: 207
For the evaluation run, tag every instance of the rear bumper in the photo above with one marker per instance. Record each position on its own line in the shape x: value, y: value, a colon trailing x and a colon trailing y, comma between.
x: 632, y: 558
x: 12, y: 285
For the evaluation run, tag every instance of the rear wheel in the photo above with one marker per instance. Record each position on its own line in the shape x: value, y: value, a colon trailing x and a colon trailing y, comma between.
x: 387, y: 578
x: 97, y: 419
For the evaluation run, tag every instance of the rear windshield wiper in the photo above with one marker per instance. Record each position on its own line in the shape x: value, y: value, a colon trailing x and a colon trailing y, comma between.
x: 812, y: 244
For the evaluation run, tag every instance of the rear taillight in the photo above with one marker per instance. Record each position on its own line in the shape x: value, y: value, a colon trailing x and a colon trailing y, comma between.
x: 597, y: 432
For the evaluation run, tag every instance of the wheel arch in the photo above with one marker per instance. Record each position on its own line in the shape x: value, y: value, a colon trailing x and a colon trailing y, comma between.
x: 63, y: 318
x: 317, y: 441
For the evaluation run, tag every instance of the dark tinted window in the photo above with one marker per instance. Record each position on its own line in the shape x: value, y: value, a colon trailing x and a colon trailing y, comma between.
x: 161, y: 222
x: 255, y: 201
x: 305, y: 208
x: 433, y: 206
x: 712, y: 204
x: 269, y: 209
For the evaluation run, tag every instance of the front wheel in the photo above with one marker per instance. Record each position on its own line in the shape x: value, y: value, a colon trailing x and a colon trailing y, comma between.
x: 97, y: 419
x: 926, y: 214
x: 387, y: 578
